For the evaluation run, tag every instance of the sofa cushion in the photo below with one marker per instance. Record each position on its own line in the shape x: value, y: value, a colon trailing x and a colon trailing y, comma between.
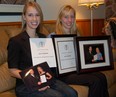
x: 45, y: 31
x: 13, y: 31
x: 81, y: 90
x: 110, y: 76
x: 6, y: 81
x: 10, y: 93
x: 3, y: 55
x: 112, y: 90
x: 3, y: 38
x: 50, y: 27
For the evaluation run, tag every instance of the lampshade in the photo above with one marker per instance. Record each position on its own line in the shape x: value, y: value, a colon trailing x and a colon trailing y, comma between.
x: 90, y: 2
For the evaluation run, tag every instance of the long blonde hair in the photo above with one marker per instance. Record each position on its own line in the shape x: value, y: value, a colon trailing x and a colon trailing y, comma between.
x: 38, y: 8
x: 66, y: 9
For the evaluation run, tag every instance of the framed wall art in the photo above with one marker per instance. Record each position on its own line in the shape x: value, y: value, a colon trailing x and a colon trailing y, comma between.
x: 94, y: 54
x: 12, y: 7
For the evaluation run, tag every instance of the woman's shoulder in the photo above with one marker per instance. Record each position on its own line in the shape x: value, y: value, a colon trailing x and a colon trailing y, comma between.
x: 19, y: 37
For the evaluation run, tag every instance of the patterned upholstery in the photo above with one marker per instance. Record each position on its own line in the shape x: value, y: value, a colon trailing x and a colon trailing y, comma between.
x: 110, y: 29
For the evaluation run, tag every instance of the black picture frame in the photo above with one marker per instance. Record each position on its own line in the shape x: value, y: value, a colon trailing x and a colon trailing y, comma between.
x: 11, y: 9
x: 92, y: 64
x: 65, y: 54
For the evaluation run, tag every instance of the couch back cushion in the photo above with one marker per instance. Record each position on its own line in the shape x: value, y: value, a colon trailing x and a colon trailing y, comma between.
x: 13, y: 31
x: 3, y: 38
x: 45, y: 31
x: 110, y: 76
x: 6, y: 81
x: 3, y: 45
x: 50, y: 27
x: 3, y: 55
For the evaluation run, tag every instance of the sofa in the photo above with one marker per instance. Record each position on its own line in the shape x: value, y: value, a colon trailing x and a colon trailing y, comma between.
x: 7, y: 83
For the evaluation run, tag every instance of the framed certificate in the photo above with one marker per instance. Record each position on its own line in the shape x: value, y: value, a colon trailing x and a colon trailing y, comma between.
x: 65, y: 53
x: 42, y: 50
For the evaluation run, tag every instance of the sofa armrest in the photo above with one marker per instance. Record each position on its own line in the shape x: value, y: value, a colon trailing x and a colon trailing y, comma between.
x: 110, y: 75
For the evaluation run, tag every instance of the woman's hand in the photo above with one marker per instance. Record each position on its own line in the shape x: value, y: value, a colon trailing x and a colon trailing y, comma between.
x: 15, y: 73
x: 44, y: 88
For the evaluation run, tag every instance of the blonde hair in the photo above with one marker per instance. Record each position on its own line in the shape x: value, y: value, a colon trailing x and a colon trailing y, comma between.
x: 38, y: 8
x: 66, y: 9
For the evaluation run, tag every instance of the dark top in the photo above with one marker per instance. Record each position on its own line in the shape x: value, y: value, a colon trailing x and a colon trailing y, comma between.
x: 88, y: 57
x: 19, y: 53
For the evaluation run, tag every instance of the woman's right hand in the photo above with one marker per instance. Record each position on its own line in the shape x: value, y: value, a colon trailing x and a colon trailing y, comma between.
x: 15, y: 73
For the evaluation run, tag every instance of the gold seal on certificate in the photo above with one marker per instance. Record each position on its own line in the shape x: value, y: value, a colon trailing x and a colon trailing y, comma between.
x: 42, y: 50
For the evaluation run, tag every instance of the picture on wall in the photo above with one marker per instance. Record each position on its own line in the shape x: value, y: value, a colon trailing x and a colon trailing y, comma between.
x: 17, y: 2
x: 14, y: 2
x: 94, y: 53
x: 12, y: 7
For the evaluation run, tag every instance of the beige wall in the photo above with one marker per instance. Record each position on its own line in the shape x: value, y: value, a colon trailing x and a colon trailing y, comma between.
x: 51, y: 7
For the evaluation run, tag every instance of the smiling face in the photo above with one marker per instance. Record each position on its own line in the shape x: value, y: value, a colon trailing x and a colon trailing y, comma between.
x: 97, y: 50
x: 68, y: 20
x: 90, y: 49
x: 32, y: 18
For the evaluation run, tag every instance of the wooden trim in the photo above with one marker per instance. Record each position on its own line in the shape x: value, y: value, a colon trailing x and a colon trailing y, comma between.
x: 87, y: 20
x: 10, y: 23
x: 49, y: 22
x: 78, y: 20
x: 19, y: 23
x: 83, y: 25
x: 46, y: 22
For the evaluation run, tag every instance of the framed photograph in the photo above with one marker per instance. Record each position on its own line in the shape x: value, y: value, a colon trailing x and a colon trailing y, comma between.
x: 94, y: 54
x: 12, y: 7
x: 37, y: 77
x: 65, y: 53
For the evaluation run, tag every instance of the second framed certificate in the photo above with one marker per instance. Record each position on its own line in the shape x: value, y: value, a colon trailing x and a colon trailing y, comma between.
x: 65, y: 53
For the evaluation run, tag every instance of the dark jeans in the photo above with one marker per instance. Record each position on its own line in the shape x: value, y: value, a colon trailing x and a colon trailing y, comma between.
x: 57, y: 89
x: 96, y: 82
